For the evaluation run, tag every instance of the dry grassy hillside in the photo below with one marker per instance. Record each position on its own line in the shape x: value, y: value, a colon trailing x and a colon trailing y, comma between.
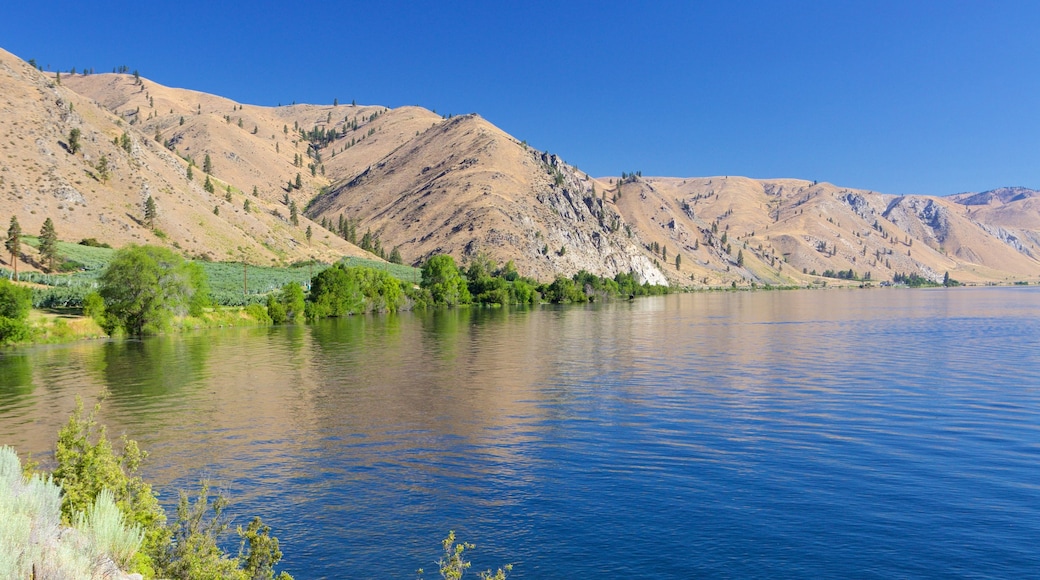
x: 783, y: 230
x: 424, y: 184
x: 40, y: 177
x: 465, y: 188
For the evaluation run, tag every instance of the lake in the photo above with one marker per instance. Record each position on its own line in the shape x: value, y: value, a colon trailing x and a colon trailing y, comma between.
x: 828, y: 433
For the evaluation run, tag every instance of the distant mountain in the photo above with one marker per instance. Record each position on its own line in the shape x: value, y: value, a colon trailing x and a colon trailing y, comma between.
x: 424, y: 184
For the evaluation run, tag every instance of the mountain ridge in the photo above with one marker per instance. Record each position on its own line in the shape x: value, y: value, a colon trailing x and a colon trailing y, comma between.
x: 425, y: 183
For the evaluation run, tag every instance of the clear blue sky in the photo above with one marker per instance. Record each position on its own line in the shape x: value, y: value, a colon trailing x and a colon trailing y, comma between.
x: 898, y: 97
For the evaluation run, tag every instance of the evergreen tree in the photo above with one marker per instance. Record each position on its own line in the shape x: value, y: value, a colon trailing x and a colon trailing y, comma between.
x: 150, y: 211
x: 309, y: 234
x: 740, y: 258
x: 48, y: 243
x: 74, y: 144
x: 191, y: 174
x: 227, y: 194
x: 293, y: 215
x: 299, y: 181
x: 246, y: 206
x: 104, y: 173
x: 207, y: 164
x: 14, y: 244
x: 208, y: 186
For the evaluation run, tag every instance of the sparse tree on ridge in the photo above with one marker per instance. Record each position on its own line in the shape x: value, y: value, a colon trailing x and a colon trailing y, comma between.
x: 207, y: 164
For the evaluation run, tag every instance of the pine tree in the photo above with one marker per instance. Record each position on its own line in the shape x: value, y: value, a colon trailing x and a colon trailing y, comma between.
x: 740, y: 258
x: 309, y: 234
x: 227, y: 194
x: 246, y: 206
x: 74, y: 144
x: 299, y: 182
x: 102, y: 169
x: 14, y: 244
x: 191, y: 175
x: 150, y: 211
x: 293, y: 215
x: 208, y: 186
x: 207, y: 164
x: 255, y: 192
x: 48, y: 243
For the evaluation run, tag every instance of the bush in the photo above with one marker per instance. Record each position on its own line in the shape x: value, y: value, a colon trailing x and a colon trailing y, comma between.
x: 106, y: 528
x: 258, y: 313
x: 15, y: 303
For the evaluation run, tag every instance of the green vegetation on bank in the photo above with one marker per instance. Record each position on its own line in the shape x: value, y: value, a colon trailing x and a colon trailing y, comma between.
x: 148, y: 289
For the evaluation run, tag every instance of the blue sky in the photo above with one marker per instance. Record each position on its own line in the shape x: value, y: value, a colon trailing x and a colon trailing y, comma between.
x: 898, y: 97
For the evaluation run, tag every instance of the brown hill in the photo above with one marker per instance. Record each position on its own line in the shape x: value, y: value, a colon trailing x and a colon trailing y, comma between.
x: 424, y: 184
x: 41, y: 177
x: 464, y: 187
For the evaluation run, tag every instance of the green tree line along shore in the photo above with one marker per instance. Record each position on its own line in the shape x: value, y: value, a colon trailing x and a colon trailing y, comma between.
x: 141, y: 290
x: 93, y: 516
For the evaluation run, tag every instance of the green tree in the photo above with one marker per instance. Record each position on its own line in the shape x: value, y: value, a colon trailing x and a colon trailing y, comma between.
x: 190, y: 173
x: 246, y: 206
x: 299, y: 182
x: 678, y: 261
x: 207, y: 164
x: 14, y: 244
x: 309, y: 233
x: 339, y: 291
x: 103, y: 170
x: 288, y: 306
x: 48, y: 243
x: 15, y: 304
x: 208, y: 185
x: 442, y: 278
x: 145, y: 286
x: 227, y: 193
x: 150, y: 212
x: 74, y: 144
x: 294, y: 216
x: 395, y: 256
x: 740, y: 258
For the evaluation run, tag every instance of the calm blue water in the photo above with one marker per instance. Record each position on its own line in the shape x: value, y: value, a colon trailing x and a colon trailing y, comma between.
x: 867, y: 434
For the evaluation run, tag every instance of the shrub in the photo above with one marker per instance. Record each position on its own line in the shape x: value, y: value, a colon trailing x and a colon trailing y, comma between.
x: 105, y: 526
x: 15, y: 303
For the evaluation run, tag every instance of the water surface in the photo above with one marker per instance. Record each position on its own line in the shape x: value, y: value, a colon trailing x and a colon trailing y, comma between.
x: 881, y: 433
